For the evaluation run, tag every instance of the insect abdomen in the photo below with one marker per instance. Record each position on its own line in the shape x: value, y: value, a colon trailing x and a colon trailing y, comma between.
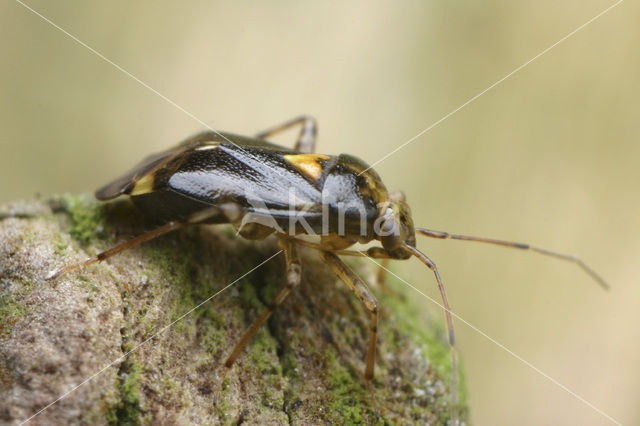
x: 165, y: 205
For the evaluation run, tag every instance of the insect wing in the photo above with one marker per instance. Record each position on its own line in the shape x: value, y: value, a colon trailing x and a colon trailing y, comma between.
x: 253, y: 177
x: 147, y: 168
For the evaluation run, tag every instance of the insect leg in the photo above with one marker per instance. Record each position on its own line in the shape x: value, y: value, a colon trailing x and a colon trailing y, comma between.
x: 167, y: 227
x: 306, y: 139
x: 293, y: 276
x: 368, y: 299
x: 380, y: 253
x: 382, y: 273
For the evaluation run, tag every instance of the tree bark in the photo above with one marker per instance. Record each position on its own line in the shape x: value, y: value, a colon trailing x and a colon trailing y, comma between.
x: 111, y: 341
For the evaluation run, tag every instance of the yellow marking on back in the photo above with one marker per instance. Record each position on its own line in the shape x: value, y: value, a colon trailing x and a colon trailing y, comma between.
x: 307, y: 164
x: 144, y: 185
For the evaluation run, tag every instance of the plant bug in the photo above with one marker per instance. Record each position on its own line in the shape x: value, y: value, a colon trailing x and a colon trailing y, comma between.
x: 262, y: 188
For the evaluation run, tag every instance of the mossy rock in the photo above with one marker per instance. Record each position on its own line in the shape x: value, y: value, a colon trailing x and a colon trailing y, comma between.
x: 113, y: 339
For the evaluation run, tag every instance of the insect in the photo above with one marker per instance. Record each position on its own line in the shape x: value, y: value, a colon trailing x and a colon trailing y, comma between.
x: 263, y: 189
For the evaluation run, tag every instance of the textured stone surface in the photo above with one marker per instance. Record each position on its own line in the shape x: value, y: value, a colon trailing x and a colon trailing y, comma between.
x: 122, y: 322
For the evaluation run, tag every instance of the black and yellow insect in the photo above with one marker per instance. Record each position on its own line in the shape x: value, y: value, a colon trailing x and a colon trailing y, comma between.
x: 262, y: 188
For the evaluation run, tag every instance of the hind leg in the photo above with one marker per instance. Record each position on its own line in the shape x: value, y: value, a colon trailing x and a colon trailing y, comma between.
x: 306, y: 139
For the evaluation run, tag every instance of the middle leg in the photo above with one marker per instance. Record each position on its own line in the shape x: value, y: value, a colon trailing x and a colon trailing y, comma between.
x: 293, y: 277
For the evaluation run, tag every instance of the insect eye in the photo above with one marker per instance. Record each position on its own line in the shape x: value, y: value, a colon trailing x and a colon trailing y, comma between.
x: 390, y: 234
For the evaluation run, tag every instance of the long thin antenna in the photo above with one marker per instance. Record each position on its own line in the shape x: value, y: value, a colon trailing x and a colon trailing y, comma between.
x: 568, y: 257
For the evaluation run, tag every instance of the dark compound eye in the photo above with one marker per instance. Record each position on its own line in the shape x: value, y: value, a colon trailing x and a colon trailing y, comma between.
x: 390, y: 234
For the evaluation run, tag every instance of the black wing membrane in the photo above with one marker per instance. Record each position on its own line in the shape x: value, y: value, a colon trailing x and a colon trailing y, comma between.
x: 155, y: 162
x: 253, y: 176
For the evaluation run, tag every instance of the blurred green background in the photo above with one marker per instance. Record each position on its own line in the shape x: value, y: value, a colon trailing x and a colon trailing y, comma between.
x: 549, y: 157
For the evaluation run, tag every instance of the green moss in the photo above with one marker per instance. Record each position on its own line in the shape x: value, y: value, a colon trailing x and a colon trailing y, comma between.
x: 169, y: 384
x: 249, y: 297
x: 129, y: 392
x: 290, y: 364
x: 27, y: 286
x: 222, y: 408
x: 29, y: 237
x: 263, y: 354
x: 214, y: 338
x: 111, y: 417
x: 429, y: 335
x: 182, y: 269
x: 228, y: 230
x: 128, y: 410
x: 86, y: 282
x: 87, y: 218
x: 349, y: 404
x: 271, y: 285
x: 59, y: 245
x: 10, y: 313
